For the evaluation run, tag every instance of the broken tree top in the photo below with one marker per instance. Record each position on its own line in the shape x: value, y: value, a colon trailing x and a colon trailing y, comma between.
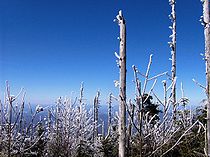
x: 120, y: 18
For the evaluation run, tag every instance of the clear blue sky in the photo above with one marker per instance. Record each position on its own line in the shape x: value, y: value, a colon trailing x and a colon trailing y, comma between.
x: 50, y: 46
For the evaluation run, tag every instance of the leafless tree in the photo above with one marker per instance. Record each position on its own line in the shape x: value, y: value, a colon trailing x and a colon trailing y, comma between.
x: 109, y: 112
x: 122, y: 85
x: 206, y: 24
x: 17, y: 137
x: 172, y: 45
x: 95, y: 116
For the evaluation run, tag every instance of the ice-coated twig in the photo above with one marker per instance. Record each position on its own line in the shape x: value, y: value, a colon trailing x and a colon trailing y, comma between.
x: 115, y: 98
x: 21, y: 90
x: 147, y: 74
x: 33, y: 143
x: 182, y: 90
x: 158, y: 148
x: 177, y: 142
x: 159, y: 75
x: 137, y: 82
x: 200, y: 85
x: 133, y: 123
x: 171, y: 85
x: 158, y: 99
x: 118, y: 57
x: 151, y: 89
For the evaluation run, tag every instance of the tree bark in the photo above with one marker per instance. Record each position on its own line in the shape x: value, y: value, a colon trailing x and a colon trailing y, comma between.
x: 173, y: 52
x: 139, y: 104
x: 109, y: 111
x: 9, y: 128
x: 9, y: 131
x: 130, y: 128
x: 122, y: 87
x: 206, y: 22
x: 96, y: 106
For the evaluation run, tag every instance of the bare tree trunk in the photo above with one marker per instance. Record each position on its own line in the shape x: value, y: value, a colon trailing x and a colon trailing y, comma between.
x: 122, y: 88
x: 164, y: 109
x: 173, y: 51
x: 9, y: 128
x: 80, y: 133
x: 102, y: 130
x: 206, y: 23
x: 130, y: 128
x: 21, y: 118
x: 109, y: 111
x: 9, y: 131
x: 130, y: 120
x: 58, y: 122
x: 95, y: 117
x: 49, y: 122
x: 1, y: 119
x: 48, y: 130
x: 139, y: 104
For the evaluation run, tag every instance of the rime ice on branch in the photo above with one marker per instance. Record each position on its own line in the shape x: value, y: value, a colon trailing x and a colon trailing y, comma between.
x: 206, y: 23
x: 122, y: 85
x: 172, y: 45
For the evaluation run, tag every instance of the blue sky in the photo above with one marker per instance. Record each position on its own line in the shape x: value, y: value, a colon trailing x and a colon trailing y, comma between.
x: 49, y: 47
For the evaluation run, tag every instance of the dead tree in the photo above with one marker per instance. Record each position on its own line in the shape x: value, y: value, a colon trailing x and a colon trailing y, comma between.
x: 9, y: 131
x: 139, y: 104
x: 109, y: 112
x: 81, y: 109
x: 95, y: 117
x: 172, y: 45
x: 130, y: 127
x: 140, y: 98
x: 122, y: 85
x: 206, y: 24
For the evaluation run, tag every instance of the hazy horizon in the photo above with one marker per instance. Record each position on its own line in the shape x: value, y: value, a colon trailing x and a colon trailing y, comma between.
x: 50, y: 47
